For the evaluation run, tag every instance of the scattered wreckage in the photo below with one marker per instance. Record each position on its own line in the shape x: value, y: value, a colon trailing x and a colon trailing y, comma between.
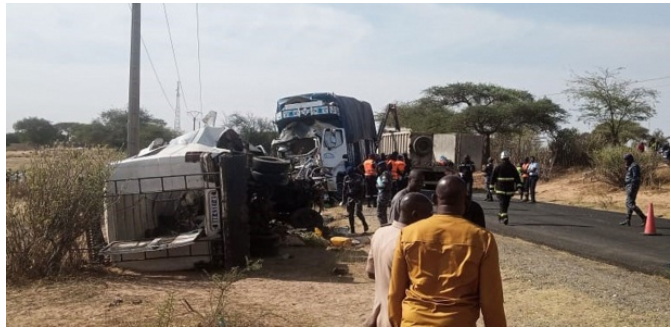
x: 205, y: 199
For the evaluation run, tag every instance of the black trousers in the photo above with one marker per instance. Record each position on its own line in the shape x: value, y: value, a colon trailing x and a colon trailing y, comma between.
x: 631, y: 203
x: 371, y: 190
x: 469, y: 188
x: 533, y: 179
x: 504, y: 203
x: 354, y: 205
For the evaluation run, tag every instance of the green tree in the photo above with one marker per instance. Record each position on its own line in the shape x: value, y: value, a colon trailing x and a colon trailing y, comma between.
x: 66, y: 130
x: 629, y: 130
x: 607, y: 99
x: 489, y: 109
x: 255, y: 130
x: 12, y: 138
x: 36, y: 131
x: 424, y: 116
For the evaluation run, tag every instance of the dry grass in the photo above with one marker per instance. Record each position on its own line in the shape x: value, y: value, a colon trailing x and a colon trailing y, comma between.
x: 581, y: 189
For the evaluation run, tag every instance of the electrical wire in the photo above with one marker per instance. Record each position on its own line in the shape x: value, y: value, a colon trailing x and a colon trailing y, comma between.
x: 200, y: 79
x: 174, y: 57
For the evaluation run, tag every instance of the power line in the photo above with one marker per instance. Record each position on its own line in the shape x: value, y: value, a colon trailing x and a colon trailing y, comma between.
x: 651, y: 79
x: 153, y: 68
x: 200, y: 80
x: 174, y: 57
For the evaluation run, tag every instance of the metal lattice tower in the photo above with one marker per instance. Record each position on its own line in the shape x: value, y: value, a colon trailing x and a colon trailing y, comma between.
x: 178, y: 125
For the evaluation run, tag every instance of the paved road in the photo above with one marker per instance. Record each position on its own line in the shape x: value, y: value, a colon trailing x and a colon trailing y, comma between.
x: 588, y: 233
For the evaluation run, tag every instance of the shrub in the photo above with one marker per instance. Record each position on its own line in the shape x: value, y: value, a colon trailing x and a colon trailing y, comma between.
x: 609, y: 166
x: 51, y: 208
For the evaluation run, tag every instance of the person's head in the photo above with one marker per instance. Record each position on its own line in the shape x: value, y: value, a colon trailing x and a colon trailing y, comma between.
x: 467, y: 159
x: 533, y: 159
x: 415, y: 206
x: 521, y: 164
x: 451, y: 195
x: 490, y: 160
x: 415, y: 180
x: 443, y: 160
x: 371, y: 156
x: 351, y: 170
x: 628, y: 159
x: 381, y: 167
x: 526, y: 160
x: 400, y: 157
x: 505, y: 156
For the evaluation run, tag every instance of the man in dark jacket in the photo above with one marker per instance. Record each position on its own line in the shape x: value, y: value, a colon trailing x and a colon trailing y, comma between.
x: 466, y: 170
x: 632, y: 182
x: 505, y: 182
x: 353, y: 195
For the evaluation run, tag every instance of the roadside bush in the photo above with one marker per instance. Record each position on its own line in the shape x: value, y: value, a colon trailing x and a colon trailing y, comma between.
x: 609, y: 166
x: 571, y: 148
x: 51, y: 208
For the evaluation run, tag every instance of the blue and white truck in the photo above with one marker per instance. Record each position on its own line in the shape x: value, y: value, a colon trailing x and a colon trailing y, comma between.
x: 322, y: 134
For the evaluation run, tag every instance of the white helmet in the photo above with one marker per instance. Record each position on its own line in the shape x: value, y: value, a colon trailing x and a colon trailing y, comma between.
x: 505, y: 155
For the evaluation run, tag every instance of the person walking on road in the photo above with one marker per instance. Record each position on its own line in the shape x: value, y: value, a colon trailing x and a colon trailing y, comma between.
x: 533, y: 172
x: 415, y: 184
x: 524, y: 194
x: 466, y: 169
x: 505, y: 182
x: 414, y: 207
x: 353, y: 195
x: 632, y: 183
x: 383, y: 185
x: 445, y: 270
x: 489, y: 168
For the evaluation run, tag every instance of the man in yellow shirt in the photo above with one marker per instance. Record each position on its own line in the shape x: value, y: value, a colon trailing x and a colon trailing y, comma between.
x: 445, y: 269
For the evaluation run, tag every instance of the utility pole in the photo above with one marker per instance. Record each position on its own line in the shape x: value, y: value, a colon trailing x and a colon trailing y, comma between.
x: 133, y: 138
x: 178, y: 121
x: 195, y: 115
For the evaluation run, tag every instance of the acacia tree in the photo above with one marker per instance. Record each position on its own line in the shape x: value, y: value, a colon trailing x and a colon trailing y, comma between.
x: 423, y: 115
x: 36, y: 131
x: 609, y: 100
x: 489, y: 109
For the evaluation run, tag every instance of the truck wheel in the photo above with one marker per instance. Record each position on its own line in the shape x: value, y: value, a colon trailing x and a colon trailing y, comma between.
x: 422, y: 145
x: 270, y: 165
x: 280, y: 179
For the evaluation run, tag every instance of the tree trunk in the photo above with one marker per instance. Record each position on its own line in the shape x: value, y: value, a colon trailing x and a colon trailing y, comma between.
x: 488, y: 147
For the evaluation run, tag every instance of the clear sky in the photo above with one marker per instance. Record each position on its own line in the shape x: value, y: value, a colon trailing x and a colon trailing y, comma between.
x: 70, y: 62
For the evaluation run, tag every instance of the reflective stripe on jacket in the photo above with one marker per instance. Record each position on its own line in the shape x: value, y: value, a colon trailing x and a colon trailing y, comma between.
x: 505, y: 179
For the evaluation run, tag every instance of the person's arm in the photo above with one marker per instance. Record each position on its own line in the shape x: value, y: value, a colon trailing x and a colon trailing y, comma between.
x: 395, y: 211
x: 344, y: 190
x: 398, y: 283
x: 491, y: 288
x: 370, y: 262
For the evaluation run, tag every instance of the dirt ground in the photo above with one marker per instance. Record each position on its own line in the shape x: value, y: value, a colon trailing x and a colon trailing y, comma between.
x: 542, y: 286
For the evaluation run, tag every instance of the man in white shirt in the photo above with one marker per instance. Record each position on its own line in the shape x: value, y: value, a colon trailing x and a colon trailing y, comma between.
x: 533, y: 178
x: 414, y: 207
